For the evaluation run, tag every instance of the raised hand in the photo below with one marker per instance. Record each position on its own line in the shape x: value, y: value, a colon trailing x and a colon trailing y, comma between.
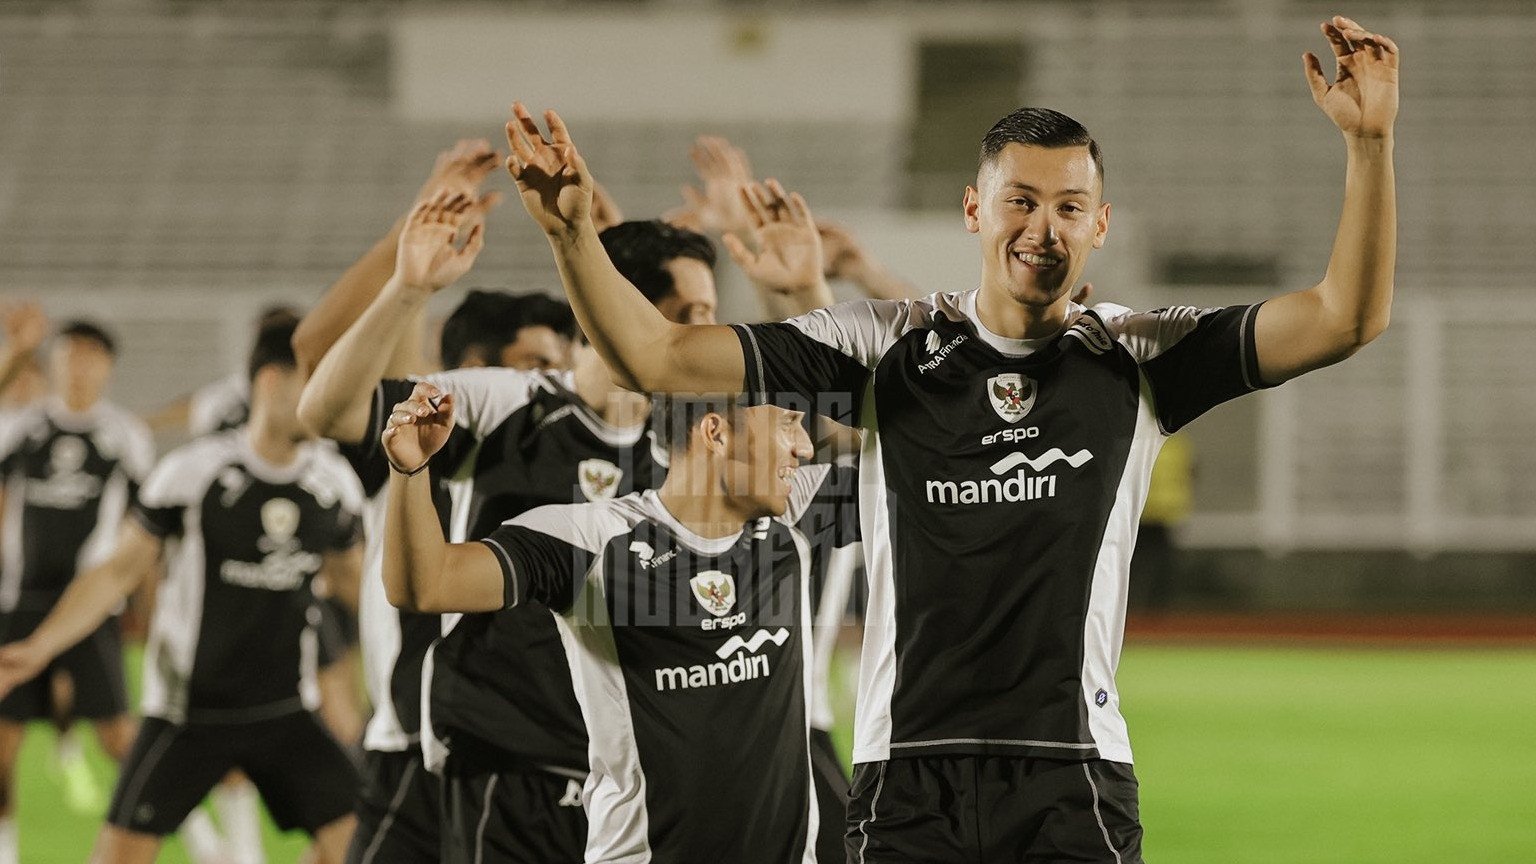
x: 605, y: 210
x: 788, y: 256
x: 438, y: 243
x: 418, y: 428
x: 26, y: 326
x: 723, y: 171
x: 1362, y: 100
x: 551, y: 176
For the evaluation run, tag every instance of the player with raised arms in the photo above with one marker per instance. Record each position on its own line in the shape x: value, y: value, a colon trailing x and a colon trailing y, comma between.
x: 1009, y: 435
x: 685, y: 617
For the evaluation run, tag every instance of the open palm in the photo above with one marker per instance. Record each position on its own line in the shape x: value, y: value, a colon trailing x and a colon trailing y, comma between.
x: 788, y: 256
x: 1362, y: 100
x: 551, y: 176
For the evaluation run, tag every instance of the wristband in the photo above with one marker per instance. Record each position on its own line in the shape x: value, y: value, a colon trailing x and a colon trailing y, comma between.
x: 398, y: 470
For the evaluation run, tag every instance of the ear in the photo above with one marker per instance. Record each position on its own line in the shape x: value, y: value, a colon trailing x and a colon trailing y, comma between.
x: 969, y: 204
x: 1101, y: 226
x: 714, y: 433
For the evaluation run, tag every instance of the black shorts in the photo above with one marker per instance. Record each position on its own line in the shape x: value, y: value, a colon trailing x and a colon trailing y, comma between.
x: 940, y: 809
x: 831, y: 798
x: 303, y: 775
x: 397, y: 810
x: 511, y: 816
x: 336, y: 629
x: 94, y: 665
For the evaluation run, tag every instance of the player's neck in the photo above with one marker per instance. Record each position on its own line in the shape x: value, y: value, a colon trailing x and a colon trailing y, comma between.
x: 1010, y: 319
x: 596, y: 387
x: 695, y: 500
x: 269, y: 445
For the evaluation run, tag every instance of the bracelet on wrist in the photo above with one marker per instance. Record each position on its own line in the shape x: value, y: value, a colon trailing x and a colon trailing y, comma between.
x: 398, y: 470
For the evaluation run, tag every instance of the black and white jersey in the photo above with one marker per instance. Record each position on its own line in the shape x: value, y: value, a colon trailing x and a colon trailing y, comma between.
x: 830, y: 525
x: 69, y: 480
x: 231, y: 639
x: 689, y: 657
x: 531, y: 441
x: 393, y: 641
x: 223, y: 404
x: 1001, y: 482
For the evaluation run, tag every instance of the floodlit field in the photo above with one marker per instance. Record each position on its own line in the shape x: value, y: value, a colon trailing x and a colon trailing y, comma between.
x: 1246, y: 756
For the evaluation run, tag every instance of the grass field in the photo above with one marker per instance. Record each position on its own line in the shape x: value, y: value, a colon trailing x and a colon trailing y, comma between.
x: 1245, y: 755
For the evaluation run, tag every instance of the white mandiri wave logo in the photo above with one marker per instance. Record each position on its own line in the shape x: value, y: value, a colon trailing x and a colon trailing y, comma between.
x: 747, y: 665
x: 1023, y: 486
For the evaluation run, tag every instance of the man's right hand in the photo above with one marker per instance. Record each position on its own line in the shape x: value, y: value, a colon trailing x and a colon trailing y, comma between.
x: 551, y: 176
x: 418, y: 427
x: 20, y: 662
x: 430, y: 256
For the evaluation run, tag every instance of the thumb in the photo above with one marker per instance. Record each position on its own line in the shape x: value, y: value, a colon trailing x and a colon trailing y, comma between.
x: 739, y: 251
x: 1315, y: 80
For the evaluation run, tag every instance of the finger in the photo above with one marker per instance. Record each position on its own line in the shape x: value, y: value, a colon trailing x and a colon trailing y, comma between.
x: 1083, y: 293
x: 558, y: 132
x: 475, y: 243
x: 1346, y: 23
x: 1337, y: 40
x: 489, y: 201
x: 521, y: 147
x: 423, y: 391
x: 693, y: 198
x: 740, y: 164
x: 576, y: 167
x: 738, y: 251
x: 527, y: 124
x: 756, y: 213
x: 800, y: 210
x: 1315, y: 80
x: 1387, y: 43
x: 779, y: 199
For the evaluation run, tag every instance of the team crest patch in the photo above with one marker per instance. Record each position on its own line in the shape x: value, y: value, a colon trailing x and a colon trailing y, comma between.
x: 67, y: 455
x: 1012, y: 395
x: 599, y: 478
x: 716, y: 591
x: 280, y: 520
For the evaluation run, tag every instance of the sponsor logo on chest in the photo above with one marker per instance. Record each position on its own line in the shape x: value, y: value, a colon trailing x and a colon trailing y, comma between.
x: 284, y: 564
x: 747, y: 664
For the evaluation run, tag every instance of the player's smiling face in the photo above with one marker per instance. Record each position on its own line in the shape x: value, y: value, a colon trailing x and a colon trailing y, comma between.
x: 768, y: 444
x: 1039, y: 215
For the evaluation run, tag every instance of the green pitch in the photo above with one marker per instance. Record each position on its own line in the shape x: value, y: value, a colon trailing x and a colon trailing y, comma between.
x: 1245, y: 755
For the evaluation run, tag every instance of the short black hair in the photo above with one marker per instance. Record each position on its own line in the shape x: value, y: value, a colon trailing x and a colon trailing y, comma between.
x: 673, y: 416
x: 273, y: 347
x: 276, y: 314
x: 1039, y: 127
x: 535, y: 309
x: 477, y: 324
x: 641, y: 250
x: 80, y: 328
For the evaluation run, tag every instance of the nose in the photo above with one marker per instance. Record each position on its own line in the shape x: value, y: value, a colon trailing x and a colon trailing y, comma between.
x: 1041, y: 229
x: 802, y: 448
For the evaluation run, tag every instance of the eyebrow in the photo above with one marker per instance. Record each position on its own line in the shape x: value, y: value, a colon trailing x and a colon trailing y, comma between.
x: 1014, y: 184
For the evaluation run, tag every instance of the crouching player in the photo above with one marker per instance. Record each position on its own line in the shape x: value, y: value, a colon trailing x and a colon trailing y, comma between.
x: 684, y: 615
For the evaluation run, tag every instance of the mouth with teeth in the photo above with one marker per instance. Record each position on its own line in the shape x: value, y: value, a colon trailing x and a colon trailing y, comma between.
x: 1037, y: 263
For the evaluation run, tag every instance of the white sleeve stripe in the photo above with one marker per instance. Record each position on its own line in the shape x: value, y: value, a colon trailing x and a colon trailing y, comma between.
x: 761, y: 395
x: 506, y: 563
x: 1245, y: 359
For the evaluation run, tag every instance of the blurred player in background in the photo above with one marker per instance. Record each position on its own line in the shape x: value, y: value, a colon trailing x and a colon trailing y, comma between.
x: 72, y: 463
x: 259, y: 513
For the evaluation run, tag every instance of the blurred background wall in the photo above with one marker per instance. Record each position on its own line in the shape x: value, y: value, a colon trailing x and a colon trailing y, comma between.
x: 171, y: 166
